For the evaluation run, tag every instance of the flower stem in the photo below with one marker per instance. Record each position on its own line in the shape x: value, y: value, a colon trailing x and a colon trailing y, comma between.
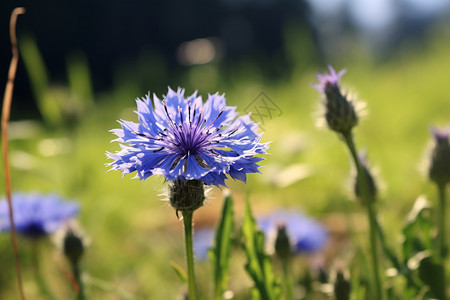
x: 187, y: 219
x: 77, y: 277
x: 7, y: 99
x: 371, y: 214
x: 442, y: 244
x: 288, y: 286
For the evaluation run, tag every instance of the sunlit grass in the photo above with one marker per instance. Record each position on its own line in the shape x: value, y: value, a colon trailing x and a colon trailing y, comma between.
x: 134, y: 234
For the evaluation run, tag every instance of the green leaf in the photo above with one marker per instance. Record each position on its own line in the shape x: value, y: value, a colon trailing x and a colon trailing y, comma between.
x: 39, y: 79
x: 358, y: 291
x: 259, y: 265
x: 418, y: 249
x: 432, y: 274
x: 80, y: 82
x: 417, y: 229
x: 220, y: 253
x: 180, y: 272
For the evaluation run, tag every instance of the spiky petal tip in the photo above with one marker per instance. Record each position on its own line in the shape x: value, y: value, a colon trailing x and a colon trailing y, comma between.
x: 186, y: 139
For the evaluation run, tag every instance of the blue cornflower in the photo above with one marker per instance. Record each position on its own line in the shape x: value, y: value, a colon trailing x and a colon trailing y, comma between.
x: 37, y: 215
x: 304, y: 234
x: 186, y: 139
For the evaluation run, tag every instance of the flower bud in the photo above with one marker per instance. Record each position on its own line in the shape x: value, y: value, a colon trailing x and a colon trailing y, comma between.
x: 342, y: 287
x: 371, y: 186
x: 282, y: 243
x: 439, y: 170
x: 73, y: 246
x: 186, y: 195
x: 340, y: 112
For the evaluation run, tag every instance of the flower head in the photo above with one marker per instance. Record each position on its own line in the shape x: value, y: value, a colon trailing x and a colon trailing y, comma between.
x: 186, y: 195
x: 186, y: 139
x: 329, y: 81
x: 340, y: 113
x: 439, y: 170
x: 303, y: 233
x: 73, y: 245
x: 36, y: 215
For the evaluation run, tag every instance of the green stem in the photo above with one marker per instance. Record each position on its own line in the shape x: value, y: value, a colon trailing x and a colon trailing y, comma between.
x: 288, y: 285
x: 392, y: 257
x: 187, y: 219
x: 442, y: 235
x: 387, y: 251
x: 368, y: 202
x: 77, y: 276
x: 442, y: 244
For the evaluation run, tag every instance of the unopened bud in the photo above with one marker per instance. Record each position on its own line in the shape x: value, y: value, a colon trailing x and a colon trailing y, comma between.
x: 73, y: 247
x: 370, y: 182
x: 186, y: 195
x: 340, y: 112
x: 439, y: 171
x: 282, y: 243
x: 342, y: 287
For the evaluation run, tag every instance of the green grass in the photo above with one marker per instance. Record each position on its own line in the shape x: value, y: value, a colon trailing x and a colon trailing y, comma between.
x: 134, y: 234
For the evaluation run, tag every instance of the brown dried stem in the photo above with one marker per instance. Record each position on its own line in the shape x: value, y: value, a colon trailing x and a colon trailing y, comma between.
x: 7, y: 99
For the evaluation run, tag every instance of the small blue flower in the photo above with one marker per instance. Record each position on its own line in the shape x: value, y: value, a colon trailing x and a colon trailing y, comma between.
x: 304, y: 233
x: 186, y: 139
x: 203, y: 241
x: 36, y: 215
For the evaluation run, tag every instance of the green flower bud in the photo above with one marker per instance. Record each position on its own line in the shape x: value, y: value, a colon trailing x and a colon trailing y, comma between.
x: 371, y: 185
x: 439, y: 171
x: 73, y: 246
x: 340, y: 112
x: 342, y: 287
x: 282, y: 243
x: 186, y: 195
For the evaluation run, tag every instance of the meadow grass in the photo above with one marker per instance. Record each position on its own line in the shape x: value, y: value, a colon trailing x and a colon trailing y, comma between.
x: 134, y: 234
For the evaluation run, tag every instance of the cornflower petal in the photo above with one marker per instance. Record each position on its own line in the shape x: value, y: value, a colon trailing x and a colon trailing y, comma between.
x: 183, y: 138
x: 37, y: 215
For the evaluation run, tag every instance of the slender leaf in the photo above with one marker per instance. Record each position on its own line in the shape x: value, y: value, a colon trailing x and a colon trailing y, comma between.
x: 259, y: 265
x: 220, y: 254
x: 180, y: 272
x: 39, y: 80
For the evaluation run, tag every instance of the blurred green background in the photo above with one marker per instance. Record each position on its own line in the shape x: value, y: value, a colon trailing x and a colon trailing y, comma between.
x: 65, y: 105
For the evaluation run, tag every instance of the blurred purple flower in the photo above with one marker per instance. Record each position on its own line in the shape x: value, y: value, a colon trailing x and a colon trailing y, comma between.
x: 440, y: 135
x: 186, y: 139
x: 326, y: 80
x: 37, y: 215
x: 305, y: 234
x: 203, y: 241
